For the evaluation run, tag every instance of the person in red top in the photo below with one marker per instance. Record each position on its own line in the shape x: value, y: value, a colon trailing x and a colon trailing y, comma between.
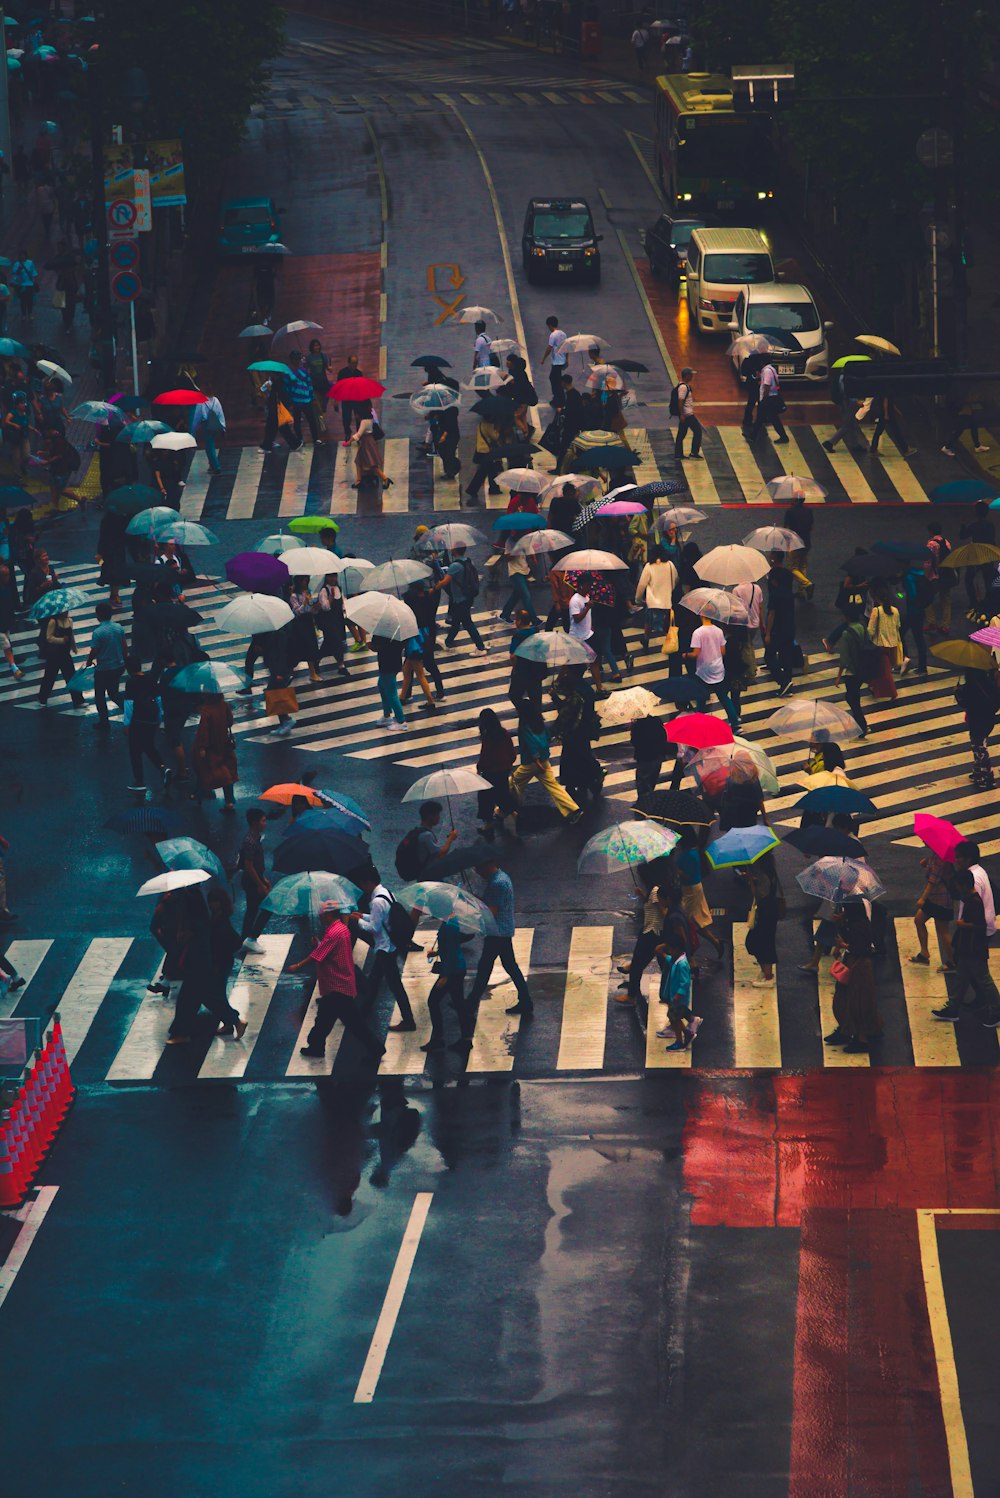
x: 338, y: 989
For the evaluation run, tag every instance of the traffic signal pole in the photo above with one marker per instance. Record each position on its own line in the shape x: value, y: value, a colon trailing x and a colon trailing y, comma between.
x: 104, y: 322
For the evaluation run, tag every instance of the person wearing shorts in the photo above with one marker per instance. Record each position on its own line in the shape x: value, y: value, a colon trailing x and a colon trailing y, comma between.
x: 934, y: 905
x: 688, y: 860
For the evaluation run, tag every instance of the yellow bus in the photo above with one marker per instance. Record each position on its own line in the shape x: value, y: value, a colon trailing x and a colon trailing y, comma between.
x: 708, y: 155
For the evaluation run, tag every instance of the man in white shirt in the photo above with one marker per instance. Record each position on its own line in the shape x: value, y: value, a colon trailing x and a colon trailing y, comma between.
x: 581, y: 628
x: 769, y: 406
x: 688, y: 420
x: 708, y: 651
x: 385, y: 959
x: 481, y: 351
x: 967, y: 857
x: 557, y: 366
x: 752, y: 599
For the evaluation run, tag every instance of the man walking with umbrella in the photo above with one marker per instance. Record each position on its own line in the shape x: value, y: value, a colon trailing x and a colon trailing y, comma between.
x: 378, y: 926
x: 498, y: 894
x: 338, y: 990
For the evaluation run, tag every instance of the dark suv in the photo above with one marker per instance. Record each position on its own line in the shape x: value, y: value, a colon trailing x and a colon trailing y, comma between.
x: 666, y: 245
x: 559, y: 239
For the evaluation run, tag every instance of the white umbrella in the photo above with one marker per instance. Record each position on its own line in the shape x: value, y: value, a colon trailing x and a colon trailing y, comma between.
x: 715, y: 603
x: 49, y: 367
x: 452, y: 533
x: 504, y: 346
x: 679, y: 515
x: 174, y: 442
x: 484, y: 380
x: 381, y: 614
x: 774, y: 538
x: 186, y: 533
x: 626, y: 706
x: 353, y: 574
x: 161, y: 884
x: 300, y: 326
x: 535, y: 542
x: 522, y: 480
x: 585, y: 485
x: 590, y: 560
x: 791, y: 486
x: 150, y: 522
x: 303, y: 561
x: 434, y: 398
x: 446, y: 783
x: 582, y: 343
x: 276, y: 544
x: 478, y: 314
x: 600, y: 374
x: 397, y: 574
x: 728, y: 565
x: 254, y: 614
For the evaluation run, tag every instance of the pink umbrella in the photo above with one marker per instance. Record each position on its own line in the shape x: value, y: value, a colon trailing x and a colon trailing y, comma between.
x: 989, y: 636
x: 699, y: 731
x: 938, y: 835
x: 621, y: 507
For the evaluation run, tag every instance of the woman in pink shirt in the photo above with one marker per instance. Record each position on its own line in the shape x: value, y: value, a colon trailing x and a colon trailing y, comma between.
x: 338, y: 989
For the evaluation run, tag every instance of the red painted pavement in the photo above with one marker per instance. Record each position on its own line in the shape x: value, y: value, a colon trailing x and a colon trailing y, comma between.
x: 341, y: 292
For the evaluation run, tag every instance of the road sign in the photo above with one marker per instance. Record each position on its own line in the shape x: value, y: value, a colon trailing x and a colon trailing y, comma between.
x: 935, y: 149
x: 124, y: 254
x: 121, y: 219
x: 143, y: 202
x: 125, y: 286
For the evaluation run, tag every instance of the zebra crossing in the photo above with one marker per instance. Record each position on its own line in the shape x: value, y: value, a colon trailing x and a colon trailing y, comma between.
x: 319, y: 481
x: 928, y: 770
x: 286, y: 97
x: 116, y: 1032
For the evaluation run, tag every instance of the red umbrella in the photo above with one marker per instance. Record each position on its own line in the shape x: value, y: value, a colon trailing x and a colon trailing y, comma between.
x: 180, y: 398
x: 699, y: 731
x: 356, y: 388
x: 938, y: 835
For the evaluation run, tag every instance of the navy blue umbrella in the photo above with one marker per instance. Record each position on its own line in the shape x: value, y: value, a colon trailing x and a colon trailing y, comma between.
x: 329, y: 848
x: 681, y: 689
x: 430, y: 361
x: 158, y: 819
x: 832, y: 798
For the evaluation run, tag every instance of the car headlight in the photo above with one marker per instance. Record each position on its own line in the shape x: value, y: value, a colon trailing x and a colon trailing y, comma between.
x: 590, y: 250
x: 685, y: 197
x: 761, y: 196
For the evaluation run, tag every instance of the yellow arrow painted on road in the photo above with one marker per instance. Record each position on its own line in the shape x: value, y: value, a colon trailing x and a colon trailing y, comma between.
x: 455, y: 279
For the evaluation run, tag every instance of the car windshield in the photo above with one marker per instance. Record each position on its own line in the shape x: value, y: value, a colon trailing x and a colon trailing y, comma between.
x: 735, y: 270
x: 562, y: 226
x: 680, y: 234
x: 789, y: 317
x: 250, y: 213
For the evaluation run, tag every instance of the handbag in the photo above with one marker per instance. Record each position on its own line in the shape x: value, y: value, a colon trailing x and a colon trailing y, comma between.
x: 285, y: 417
x: 840, y: 972
x: 59, y: 300
x: 671, y: 641
x: 280, y: 700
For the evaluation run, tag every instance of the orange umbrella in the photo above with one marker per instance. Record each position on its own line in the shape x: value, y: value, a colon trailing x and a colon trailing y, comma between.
x: 285, y: 794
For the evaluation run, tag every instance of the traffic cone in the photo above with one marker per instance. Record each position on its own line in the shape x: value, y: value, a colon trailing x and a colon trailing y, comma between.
x: 63, y: 1087
x: 63, y: 1059
x: 48, y: 1122
x: 18, y: 1140
x: 11, y: 1186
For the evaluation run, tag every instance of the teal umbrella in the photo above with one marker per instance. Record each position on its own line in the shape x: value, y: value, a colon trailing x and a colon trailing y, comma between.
x: 206, y: 679
x: 270, y: 366
x: 129, y: 499
x: 141, y: 431
x: 57, y: 601
x: 303, y: 894
x: 82, y: 680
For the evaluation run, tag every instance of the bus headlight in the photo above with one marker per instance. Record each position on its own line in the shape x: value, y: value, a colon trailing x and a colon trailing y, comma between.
x: 686, y: 197
x: 761, y: 196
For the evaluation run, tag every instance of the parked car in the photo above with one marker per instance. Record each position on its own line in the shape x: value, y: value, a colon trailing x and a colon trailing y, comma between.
x: 788, y: 316
x: 559, y: 239
x: 248, y: 224
x: 666, y: 245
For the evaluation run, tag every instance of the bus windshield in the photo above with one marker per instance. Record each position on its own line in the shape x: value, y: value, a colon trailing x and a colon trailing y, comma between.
x: 721, y: 148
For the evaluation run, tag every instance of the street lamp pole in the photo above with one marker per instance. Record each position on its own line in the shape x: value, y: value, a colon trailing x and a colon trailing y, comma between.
x: 104, y: 321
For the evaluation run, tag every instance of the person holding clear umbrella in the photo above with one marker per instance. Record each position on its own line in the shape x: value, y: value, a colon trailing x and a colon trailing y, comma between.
x: 333, y: 957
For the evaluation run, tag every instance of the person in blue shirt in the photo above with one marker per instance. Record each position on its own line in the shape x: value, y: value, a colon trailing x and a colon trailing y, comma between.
x: 450, y: 984
x: 675, y: 991
x: 107, y: 656
x: 303, y: 398
x: 498, y: 894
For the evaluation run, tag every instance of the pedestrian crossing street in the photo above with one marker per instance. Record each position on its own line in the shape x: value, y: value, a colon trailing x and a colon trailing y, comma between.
x: 927, y: 770
x: 115, y: 1032
x: 318, y: 481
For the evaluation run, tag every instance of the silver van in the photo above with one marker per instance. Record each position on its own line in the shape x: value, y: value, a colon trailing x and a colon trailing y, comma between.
x: 720, y: 262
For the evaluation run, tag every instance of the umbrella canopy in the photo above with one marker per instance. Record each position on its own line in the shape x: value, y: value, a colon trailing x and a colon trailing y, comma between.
x: 430, y: 361
x: 753, y: 343
x: 937, y: 834
x: 129, y: 499
x: 270, y: 366
x: 186, y: 533
x: 257, y: 572
x: 290, y: 791
x: 393, y: 576
x: 621, y: 507
x: 679, y: 515
x: 600, y: 376
x: 256, y: 330
x: 838, y: 776
x: 519, y: 520
x: 536, y: 542
x: 309, y: 561
x: 961, y: 492
x: 452, y: 533
x: 478, y: 314
x: 352, y: 816
x: 174, y: 442
x: 446, y: 783
x: 331, y: 849
x: 353, y: 574
x: 57, y: 601
x: 434, y: 398
x: 582, y: 343
x: 590, y: 560
x: 774, y: 538
x: 584, y: 483
x: 713, y: 603
x: 972, y: 554
x: 495, y: 408
x: 273, y: 546
x: 681, y: 808
x: 254, y: 614
x: 868, y: 340
x: 162, y: 884
x: 381, y: 614
x: 467, y: 857
x: 82, y: 680
x: 484, y: 380
x: 624, y: 844
x: 827, y: 799
x: 150, y: 521
x: 554, y: 649
x: 88, y: 410
x: 682, y: 689
x: 872, y: 564
x: 522, y: 480
x: 188, y: 853
x: 183, y: 397
x: 990, y: 636
x: 139, y: 432
x: 504, y: 346
x: 728, y: 565
x: 153, y: 819
x: 840, y: 880
x: 49, y: 367
x: 632, y: 366
x: 824, y: 842
x: 206, y: 679
x: 356, y: 388
x: 325, y: 817
x: 789, y: 486
x: 306, y: 894
x: 626, y: 706
x: 963, y: 654
x: 851, y: 359
x: 610, y: 457
x: 304, y: 525
x: 301, y: 325
x: 819, y: 722
x: 662, y: 489
x: 740, y: 846
x: 738, y: 762
x: 699, y: 731
x: 446, y: 902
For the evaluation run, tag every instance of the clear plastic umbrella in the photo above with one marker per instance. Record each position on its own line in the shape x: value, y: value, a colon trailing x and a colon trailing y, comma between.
x: 256, y: 330
x: 162, y: 884
x: 188, y: 853
x: 789, y: 486
x: 729, y: 565
x: 809, y: 720
x: 274, y: 545
x: 626, y: 706
x: 452, y: 533
x: 393, y: 576
x: 739, y: 762
x: 537, y: 542
x: 585, y: 484
x: 187, y: 533
x: 305, y: 894
x: 523, y: 480
x: 94, y: 410
x: 504, y: 346
x: 582, y: 343
x: 149, y: 522
x: 600, y: 374
x: 624, y: 844
x: 590, y: 560
x: 309, y: 561
x: 446, y: 783
x: 679, y: 515
x: 353, y: 574
x: 434, y: 398
x: 441, y: 901
x: 554, y: 649
x: 484, y: 380
x: 382, y: 615
x: 753, y: 343
x: 205, y: 679
x: 774, y: 538
x: 254, y: 614
x: 478, y: 314
x: 713, y: 603
x: 302, y: 325
x: 840, y: 880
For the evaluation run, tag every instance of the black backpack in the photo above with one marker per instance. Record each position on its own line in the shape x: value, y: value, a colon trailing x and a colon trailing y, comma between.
x: 470, y: 579
x: 408, y: 856
x: 399, y: 924
x: 675, y: 405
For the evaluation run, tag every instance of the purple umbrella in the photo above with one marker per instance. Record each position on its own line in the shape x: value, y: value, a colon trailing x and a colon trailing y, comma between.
x: 257, y: 572
x: 620, y: 507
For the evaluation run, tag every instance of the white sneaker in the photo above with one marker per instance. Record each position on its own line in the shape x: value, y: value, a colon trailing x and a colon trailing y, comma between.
x: 253, y: 945
x: 395, y: 727
x: 694, y: 1026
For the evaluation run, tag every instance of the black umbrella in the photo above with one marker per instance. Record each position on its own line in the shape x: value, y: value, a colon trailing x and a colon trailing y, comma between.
x: 514, y: 452
x: 11, y: 494
x: 331, y: 849
x: 462, y: 858
x: 825, y: 842
x: 431, y: 361
x: 680, y: 808
x: 169, y: 614
x: 631, y: 366
x: 591, y: 510
x: 608, y: 456
x: 494, y: 408
x: 158, y: 819
x: 681, y: 689
x: 658, y: 489
x: 131, y: 402
x: 906, y: 551
x: 871, y: 564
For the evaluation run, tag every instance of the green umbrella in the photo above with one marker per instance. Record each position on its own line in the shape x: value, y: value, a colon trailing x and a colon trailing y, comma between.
x: 852, y: 359
x: 270, y: 366
x: 303, y: 525
x: 130, y: 499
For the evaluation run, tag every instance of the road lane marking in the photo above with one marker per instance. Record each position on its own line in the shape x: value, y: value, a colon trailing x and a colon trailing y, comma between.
x: 901, y: 475
x: 295, y: 484
x: 397, y: 468
x: 141, y: 1050
x: 944, y: 1356
x: 585, y: 1005
x: 447, y: 492
x: 495, y: 1038
x: 195, y: 490
x: 756, y: 1029
x: 386, y: 1324
x: 740, y: 454
x: 250, y: 996
x: 344, y: 499
x: 844, y: 465
x: 248, y: 476
x: 646, y: 470
x: 30, y: 1216
x: 88, y: 988
x: 933, y: 1041
x: 403, y: 1056
x: 794, y: 462
x: 647, y: 308
x: 25, y: 957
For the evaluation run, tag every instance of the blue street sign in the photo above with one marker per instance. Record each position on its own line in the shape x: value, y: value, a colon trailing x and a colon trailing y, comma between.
x: 126, y: 286
x: 124, y: 254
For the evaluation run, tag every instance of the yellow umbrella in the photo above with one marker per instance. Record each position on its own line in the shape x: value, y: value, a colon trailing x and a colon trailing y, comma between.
x: 972, y: 554
x: 964, y: 654
x: 882, y: 344
x: 823, y: 777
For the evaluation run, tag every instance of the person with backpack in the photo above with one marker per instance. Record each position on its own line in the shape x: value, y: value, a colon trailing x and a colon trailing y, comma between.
x: 462, y: 581
x: 852, y: 652
x: 389, y: 931
x: 682, y: 406
x: 420, y: 849
x: 210, y: 420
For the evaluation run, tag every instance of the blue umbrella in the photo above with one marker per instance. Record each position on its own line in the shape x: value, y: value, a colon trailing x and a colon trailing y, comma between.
x: 337, y: 810
x: 57, y: 601
x: 520, y: 520
x: 206, y: 679
x: 961, y: 492
x: 270, y: 366
x: 141, y: 431
x: 739, y: 846
x: 605, y: 457
x: 832, y: 798
x: 11, y: 349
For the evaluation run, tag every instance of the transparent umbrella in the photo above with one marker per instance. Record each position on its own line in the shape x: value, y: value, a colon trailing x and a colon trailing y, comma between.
x: 276, y: 544
x: 713, y: 603
x: 254, y: 614
x: 149, y: 522
x: 679, y: 515
x: 601, y: 375
x: 188, y: 853
x: 446, y: 783
x: 626, y: 706
x: 441, y: 901
x: 840, y: 880
x: 821, y: 722
x: 392, y: 576
x: 187, y: 533
x: 452, y: 533
x: 478, y: 314
x: 590, y: 560
x: 537, y: 542
x: 554, y: 649
x: 381, y: 614
x: 739, y: 762
x: 624, y: 844
x: 729, y: 565
x: 582, y: 343
x: 434, y: 398
x: 504, y: 346
x: 774, y: 538
x: 305, y: 894
x: 788, y: 486
x: 522, y: 480
x: 484, y: 380
x: 205, y: 679
x: 585, y: 484
x: 353, y: 574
